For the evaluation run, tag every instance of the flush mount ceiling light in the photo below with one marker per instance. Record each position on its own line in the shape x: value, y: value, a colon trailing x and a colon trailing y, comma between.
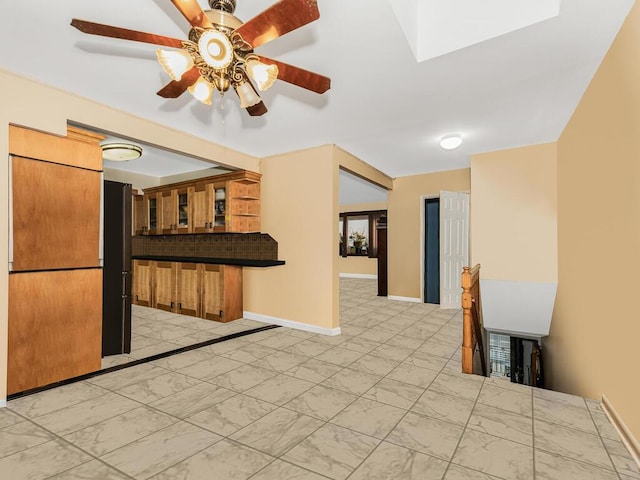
x: 219, y: 53
x: 451, y: 142
x: 120, y: 152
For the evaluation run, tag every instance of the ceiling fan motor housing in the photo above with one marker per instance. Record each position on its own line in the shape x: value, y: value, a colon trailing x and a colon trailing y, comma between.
x: 224, y: 5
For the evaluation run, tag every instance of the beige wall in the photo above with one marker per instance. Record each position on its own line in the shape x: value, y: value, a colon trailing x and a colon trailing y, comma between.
x: 360, y: 265
x: 136, y: 180
x: 593, y: 347
x: 31, y: 104
x: 299, y: 210
x: 514, y: 214
x: 404, y: 225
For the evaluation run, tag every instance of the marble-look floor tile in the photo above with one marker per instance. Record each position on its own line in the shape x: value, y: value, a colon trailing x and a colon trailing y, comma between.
x: 594, y: 406
x: 395, y: 393
x: 554, y: 396
x: 281, y: 361
x: 39, y: 404
x: 280, y: 470
x: 93, y: 470
x: 494, y: 456
x: 377, y: 334
x: 224, y: 460
x: 604, y: 426
x: 425, y: 360
x: 279, y: 390
x: 444, y: 407
x: 408, y: 373
x: 625, y: 465
x: 229, y: 345
x: 404, y: 342
x: 314, y: 370
x: 553, y: 467
x: 369, y: 417
x: 226, y: 418
x: 192, y: 400
x: 210, y: 368
x: 352, y: 381
x: 156, y: 388
x: 156, y: 452
x: 506, y: 399
x: 509, y: 385
x: 249, y: 353
x: 21, y: 436
x: 438, y: 348
x: 277, y: 432
x: 120, y: 430
x: 462, y: 386
x: 361, y: 345
x: 392, y: 352
x: 128, y: 376
x: 321, y: 402
x: 503, y: 424
x: 571, y: 443
x: 391, y: 462
x: 8, y: 418
x: 279, y: 341
x: 426, y: 435
x: 89, y: 412
x: 42, y: 461
x: 308, y: 348
x: 182, y: 360
x: 562, y: 414
x: 374, y: 364
x: 332, y: 451
x: 456, y: 472
x: 339, y: 356
x: 243, y: 378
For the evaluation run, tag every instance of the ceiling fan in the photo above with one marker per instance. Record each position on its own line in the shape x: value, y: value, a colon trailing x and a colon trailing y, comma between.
x: 219, y: 52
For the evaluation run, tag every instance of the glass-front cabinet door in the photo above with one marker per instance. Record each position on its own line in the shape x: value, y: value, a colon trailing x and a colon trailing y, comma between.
x: 152, y: 204
x: 183, y: 211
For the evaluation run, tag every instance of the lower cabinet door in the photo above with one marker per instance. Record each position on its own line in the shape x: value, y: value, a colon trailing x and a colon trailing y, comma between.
x: 165, y: 286
x: 142, y: 281
x: 188, y: 299
x: 55, y: 327
x: 212, y: 287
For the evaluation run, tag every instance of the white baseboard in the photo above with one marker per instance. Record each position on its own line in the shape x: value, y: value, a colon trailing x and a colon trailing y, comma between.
x: 405, y: 299
x: 359, y: 275
x: 291, y: 324
x: 628, y: 439
x: 3, y: 403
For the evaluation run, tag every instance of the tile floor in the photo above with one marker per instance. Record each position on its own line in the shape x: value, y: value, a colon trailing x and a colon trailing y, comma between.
x: 155, y: 331
x: 384, y: 400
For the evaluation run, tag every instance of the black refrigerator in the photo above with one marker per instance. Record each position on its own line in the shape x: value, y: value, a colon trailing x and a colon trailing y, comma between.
x: 116, y: 286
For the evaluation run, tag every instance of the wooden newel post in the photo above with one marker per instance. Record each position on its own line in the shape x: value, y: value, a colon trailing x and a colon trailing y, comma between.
x: 467, y: 331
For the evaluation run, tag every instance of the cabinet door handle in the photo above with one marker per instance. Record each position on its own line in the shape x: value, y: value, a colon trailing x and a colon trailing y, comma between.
x: 171, y: 304
x: 179, y: 306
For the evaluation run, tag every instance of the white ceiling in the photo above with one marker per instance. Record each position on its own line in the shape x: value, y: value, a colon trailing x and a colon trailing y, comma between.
x: 354, y: 190
x: 384, y: 107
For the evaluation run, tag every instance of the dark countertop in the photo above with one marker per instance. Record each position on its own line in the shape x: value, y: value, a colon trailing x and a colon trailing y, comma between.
x: 215, y: 261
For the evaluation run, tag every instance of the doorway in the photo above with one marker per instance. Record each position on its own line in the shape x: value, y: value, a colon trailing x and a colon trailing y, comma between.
x: 432, y: 250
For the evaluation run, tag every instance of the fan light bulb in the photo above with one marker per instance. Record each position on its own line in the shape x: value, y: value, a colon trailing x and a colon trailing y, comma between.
x: 264, y: 75
x: 202, y: 90
x: 175, y: 63
x: 248, y: 96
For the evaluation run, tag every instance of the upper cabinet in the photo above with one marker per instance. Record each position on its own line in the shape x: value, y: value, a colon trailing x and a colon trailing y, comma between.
x: 223, y: 203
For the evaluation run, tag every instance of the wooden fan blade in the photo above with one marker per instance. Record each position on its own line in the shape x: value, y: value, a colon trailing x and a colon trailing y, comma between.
x: 125, y: 34
x: 257, y: 110
x: 297, y: 76
x: 175, y: 88
x: 193, y: 13
x: 275, y: 21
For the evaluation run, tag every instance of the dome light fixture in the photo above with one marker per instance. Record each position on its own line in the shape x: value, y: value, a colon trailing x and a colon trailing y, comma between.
x: 451, y: 142
x: 120, y: 152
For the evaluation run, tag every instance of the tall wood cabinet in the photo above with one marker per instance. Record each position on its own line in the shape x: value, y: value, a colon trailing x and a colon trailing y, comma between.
x: 222, y: 203
x: 201, y: 290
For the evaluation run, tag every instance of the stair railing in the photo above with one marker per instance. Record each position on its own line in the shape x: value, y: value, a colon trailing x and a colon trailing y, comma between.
x: 472, y: 327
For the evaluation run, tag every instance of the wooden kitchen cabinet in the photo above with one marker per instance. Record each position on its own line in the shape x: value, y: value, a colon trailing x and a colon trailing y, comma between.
x: 142, y: 280
x: 213, y: 292
x: 221, y: 203
x: 139, y: 217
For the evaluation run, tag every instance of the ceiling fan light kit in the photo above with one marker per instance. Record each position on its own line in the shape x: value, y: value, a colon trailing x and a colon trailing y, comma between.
x: 219, y: 52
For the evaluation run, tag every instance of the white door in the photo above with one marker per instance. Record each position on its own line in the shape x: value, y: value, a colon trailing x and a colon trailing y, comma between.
x: 454, y: 246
